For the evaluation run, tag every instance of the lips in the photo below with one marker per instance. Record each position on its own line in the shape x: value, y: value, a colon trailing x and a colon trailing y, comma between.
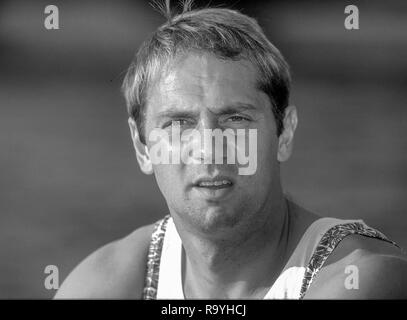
x: 213, y: 188
x: 216, y: 183
x: 213, y: 182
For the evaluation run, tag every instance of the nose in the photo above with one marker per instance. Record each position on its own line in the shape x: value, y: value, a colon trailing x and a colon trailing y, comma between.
x: 206, y: 153
x: 205, y: 148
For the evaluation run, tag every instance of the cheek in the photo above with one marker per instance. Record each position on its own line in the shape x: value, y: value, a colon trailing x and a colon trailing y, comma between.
x: 267, y: 164
x: 163, y: 178
x: 169, y: 180
x: 267, y: 146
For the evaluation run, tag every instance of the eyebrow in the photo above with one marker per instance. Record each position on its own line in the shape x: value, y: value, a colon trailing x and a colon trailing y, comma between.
x: 228, y: 109
x: 238, y: 107
x: 175, y: 113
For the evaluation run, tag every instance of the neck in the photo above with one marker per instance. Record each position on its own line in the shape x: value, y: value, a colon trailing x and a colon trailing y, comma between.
x: 243, y: 265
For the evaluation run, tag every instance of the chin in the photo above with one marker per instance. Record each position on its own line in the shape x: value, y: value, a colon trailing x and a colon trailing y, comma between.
x: 216, y: 219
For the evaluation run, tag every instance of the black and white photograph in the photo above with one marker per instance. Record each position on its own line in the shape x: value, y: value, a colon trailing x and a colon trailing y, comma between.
x: 203, y: 150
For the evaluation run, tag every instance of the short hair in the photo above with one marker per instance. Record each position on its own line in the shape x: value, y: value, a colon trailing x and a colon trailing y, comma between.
x: 226, y: 33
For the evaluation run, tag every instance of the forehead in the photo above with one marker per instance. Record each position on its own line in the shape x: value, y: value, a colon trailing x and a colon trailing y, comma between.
x: 195, y: 81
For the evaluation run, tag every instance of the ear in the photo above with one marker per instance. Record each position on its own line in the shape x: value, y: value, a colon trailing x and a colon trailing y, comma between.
x: 143, y: 157
x: 285, y: 140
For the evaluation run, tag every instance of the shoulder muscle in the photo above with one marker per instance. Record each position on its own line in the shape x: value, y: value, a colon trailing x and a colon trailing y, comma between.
x: 371, y: 276
x: 361, y: 268
x: 114, y: 271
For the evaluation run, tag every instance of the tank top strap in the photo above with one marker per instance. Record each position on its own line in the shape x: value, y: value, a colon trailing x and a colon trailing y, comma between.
x: 153, y: 259
x: 329, y: 241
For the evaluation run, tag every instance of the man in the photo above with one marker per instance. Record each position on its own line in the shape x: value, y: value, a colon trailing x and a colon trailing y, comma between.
x: 228, y: 235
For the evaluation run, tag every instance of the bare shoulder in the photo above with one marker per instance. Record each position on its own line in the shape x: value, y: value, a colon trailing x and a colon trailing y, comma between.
x: 115, y: 271
x: 362, y: 268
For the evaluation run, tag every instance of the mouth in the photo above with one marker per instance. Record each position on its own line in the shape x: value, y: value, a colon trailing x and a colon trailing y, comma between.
x: 213, y: 188
x: 217, y: 182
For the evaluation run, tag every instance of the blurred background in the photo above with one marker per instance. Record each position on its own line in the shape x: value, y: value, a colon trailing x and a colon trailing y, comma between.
x: 69, y: 181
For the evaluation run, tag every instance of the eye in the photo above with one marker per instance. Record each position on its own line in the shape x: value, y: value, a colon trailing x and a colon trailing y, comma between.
x: 237, y: 118
x: 173, y: 122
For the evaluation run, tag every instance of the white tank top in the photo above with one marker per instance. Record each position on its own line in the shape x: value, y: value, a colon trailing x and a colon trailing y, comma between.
x: 164, y: 271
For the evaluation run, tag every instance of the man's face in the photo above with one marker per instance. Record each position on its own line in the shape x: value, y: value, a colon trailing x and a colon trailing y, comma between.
x: 203, y: 92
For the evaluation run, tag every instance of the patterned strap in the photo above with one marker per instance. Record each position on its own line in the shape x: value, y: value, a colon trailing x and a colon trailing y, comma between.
x: 329, y: 242
x: 153, y: 259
